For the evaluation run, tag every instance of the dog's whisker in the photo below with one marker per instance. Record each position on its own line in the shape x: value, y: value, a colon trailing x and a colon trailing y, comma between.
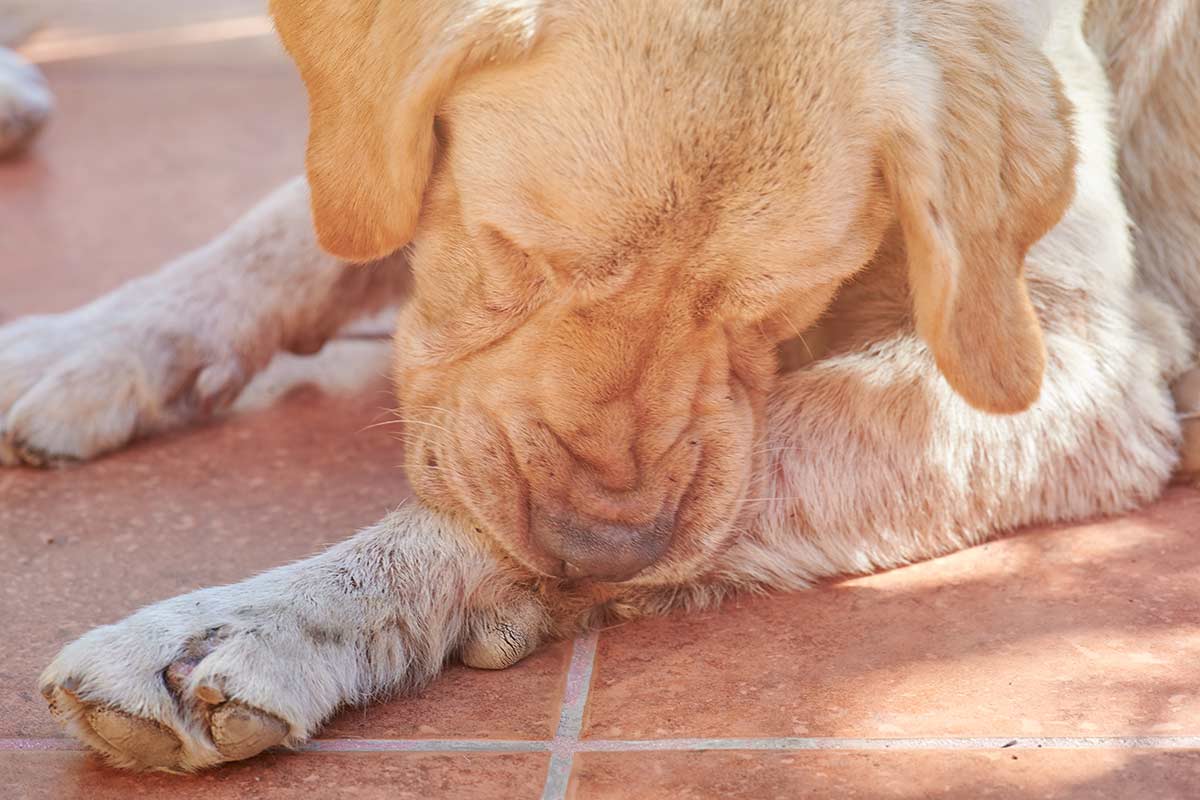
x: 399, y: 421
x: 804, y: 342
x: 384, y: 410
x: 458, y: 434
x: 448, y: 411
x: 408, y: 420
x: 792, y: 324
x: 771, y: 499
x: 380, y: 424
x: 451, y: 471
x: 408, y: 439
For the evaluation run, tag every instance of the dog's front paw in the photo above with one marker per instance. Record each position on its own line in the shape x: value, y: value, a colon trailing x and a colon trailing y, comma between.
x: 76, y: 385
x: 222, y: 674
x: 217, y: 675
x: 25, y: 101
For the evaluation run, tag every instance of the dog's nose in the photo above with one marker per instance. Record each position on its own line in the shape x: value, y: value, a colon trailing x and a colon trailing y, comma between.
x: 602, y: 551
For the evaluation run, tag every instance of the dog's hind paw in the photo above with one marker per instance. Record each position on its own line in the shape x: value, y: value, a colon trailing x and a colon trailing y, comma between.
x: 25, y: 102
x: 76, y: 385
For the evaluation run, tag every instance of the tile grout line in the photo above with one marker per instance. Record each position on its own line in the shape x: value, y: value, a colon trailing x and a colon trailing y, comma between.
x: 570, y: 721
x: 31, y: 745
x: 425, y: 746
x: 915, y: 743
x: 781, y: 743
x: 569, y: 745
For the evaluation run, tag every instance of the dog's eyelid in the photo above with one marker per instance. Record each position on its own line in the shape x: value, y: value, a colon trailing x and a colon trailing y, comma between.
x: 442, y: 134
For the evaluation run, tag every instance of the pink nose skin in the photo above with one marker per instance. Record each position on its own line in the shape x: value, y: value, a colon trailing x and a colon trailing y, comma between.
x: 601, y: 551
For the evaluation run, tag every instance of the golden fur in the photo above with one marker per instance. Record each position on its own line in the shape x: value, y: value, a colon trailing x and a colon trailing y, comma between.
x: 665, y: 244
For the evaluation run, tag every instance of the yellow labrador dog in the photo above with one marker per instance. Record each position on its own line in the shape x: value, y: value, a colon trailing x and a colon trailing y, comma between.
x: 613, y: 213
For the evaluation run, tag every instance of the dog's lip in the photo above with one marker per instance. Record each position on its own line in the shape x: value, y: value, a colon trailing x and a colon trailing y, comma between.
x: 519, y: 547
x: 563, y: 570
x: 650, y: 574
x: 576, y: 575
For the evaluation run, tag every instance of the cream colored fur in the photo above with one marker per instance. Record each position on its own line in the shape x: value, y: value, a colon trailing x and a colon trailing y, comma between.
x: 1151, y: 60
x: 181, y: 342
x: 868, y: 457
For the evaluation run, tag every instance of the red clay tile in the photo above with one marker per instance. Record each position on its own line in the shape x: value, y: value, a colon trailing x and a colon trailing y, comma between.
x: 363, y: 776
x: 1078, y: 631
x: 522, y: 703
x: 72, y: 19
x: 889, y: 775
x: 148, y: 154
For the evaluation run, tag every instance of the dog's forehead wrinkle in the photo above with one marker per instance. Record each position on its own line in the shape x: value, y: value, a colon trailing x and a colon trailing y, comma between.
x: 602, y: 139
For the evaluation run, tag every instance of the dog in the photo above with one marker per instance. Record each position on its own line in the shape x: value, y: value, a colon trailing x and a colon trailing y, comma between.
x: 604, y: 219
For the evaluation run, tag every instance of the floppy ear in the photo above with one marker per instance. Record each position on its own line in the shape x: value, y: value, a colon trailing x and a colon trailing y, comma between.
x: 980, y: 164
x: 376, y: 72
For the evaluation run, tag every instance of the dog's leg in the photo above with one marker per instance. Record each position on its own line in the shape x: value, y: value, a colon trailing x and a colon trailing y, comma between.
x: 223, y: 673
x: 182, y: 342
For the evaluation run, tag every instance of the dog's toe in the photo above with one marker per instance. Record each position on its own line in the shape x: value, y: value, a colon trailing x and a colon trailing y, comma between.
x: 502, y: 637
x: 124, y: 739
x: 241, y: 731
x: 147, y: 743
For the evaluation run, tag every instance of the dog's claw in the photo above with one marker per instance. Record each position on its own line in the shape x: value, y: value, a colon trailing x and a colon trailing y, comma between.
x: 210, y: 695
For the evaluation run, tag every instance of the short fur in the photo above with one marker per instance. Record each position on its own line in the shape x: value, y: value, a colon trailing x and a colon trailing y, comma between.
x: 616, y: 213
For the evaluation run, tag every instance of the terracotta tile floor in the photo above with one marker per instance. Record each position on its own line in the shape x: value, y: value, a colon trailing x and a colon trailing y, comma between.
x: 1057, y: 663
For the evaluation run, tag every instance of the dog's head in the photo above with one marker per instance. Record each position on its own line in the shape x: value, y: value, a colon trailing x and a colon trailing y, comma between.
x: 617, y: 208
